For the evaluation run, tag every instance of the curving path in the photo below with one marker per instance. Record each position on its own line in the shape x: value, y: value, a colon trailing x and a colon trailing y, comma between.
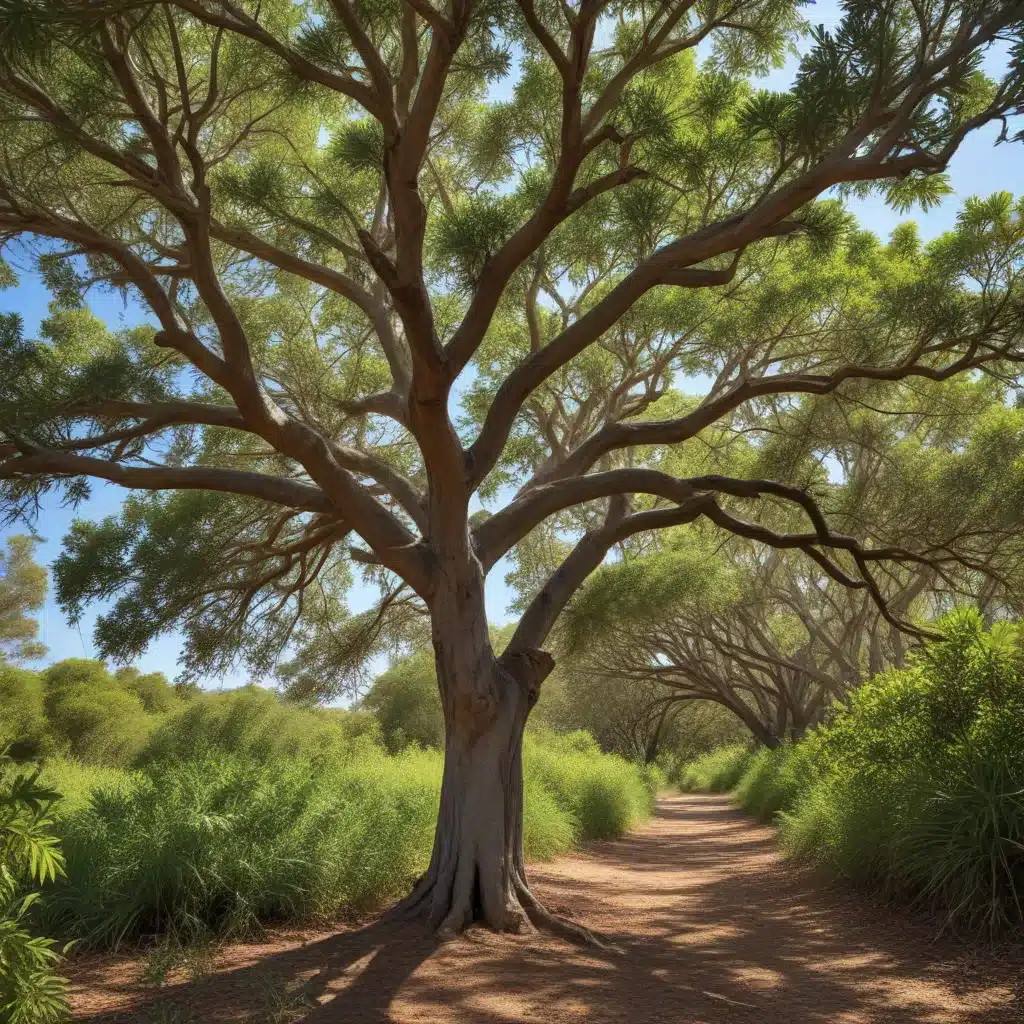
x: 710, y: 927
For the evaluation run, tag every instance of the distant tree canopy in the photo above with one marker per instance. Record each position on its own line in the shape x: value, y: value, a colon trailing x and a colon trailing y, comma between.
x: 23, y: 586
x: 399, y: 258
x: 776, y: 640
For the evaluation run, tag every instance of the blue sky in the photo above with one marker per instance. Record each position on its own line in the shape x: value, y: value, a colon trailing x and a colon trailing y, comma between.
x: 979, y: 168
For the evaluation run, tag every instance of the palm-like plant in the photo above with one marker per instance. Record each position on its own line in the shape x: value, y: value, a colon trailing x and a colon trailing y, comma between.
x: 30, y: 990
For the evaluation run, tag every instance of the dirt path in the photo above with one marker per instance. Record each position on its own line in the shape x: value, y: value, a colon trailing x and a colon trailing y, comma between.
x: 710, y: 924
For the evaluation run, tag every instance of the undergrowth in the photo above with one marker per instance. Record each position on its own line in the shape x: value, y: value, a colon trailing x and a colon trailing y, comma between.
x: 915, y: 786
x: 221, y: 843
x: 717, y: 771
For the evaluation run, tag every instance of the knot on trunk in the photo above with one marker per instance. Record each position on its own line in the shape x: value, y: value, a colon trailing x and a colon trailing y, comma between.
x: 529, y: 667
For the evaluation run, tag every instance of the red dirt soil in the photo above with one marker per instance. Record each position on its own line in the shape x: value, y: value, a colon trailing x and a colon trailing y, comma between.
x: 709, y: 926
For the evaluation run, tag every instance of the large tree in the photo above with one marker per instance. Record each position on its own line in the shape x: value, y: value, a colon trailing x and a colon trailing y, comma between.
x: 375, y: 289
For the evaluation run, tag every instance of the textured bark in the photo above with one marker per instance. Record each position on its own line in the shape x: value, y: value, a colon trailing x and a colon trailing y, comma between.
x: 477, y: 871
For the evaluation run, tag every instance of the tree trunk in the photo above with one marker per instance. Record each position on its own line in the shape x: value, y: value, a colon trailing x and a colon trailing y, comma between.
x: 476, y: 870
x: 761, y: 732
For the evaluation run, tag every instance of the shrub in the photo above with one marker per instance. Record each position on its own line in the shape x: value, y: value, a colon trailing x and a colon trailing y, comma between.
x: 222, y: 845
x: 774, y: 779
x: 91, y: 714
x: 919, y: 781
x: 548, y: 828
x: 157, y: 695
x: 406, y: 702
x: 716, y: 772
x: 251, y: 722
x: 604, y: 794
x: 30, y: 990
x: 77, y: 780
x: 22, y: 718
x: 218, y: 844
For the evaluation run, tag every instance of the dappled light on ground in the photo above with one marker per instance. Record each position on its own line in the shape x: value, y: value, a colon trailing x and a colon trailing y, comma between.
x: 707, y: 924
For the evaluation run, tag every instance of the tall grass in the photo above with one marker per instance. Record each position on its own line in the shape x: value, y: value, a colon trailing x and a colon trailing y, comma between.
x: 220, y: 843
x: 221, y: 846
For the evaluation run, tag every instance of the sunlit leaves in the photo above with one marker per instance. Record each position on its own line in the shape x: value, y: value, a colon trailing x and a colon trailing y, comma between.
x: 30, y: 855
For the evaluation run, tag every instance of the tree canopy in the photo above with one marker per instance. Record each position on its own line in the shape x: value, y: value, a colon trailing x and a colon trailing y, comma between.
x: 23, y: 586
x: 777, y: 640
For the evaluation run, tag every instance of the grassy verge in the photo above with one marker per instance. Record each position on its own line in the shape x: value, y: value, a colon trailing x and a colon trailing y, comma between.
x: 217, y: 844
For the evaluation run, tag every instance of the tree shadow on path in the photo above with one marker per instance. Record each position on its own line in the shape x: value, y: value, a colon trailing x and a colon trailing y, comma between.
x: 709, y: 926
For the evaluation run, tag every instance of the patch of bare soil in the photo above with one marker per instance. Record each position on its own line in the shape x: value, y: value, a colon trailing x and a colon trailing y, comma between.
x: 709, y: 926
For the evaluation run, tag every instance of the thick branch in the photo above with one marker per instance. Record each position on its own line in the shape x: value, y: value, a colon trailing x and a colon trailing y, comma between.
x: 278, y: 490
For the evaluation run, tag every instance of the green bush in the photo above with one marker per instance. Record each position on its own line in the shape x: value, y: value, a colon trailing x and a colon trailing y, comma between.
x: 22, y: 717
x: 77, y: 780
x: 222, y: 845
x: 30, y: 990
x: 548, y: 827
x: 604, y: 794
x: 774, y: 779
x: 920, y: 784
x: 157, y: 695
x: 221, y: 841
x: 406, y: 702
x: 90, y: 714
x: 716, y: 772
x: 252, y: 722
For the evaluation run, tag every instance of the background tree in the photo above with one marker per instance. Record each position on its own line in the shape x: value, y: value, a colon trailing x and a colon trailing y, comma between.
x: 337, y: 236
x: 642, y: 722
x: 775, y: 640
x: 22, y: 591
x: 406, y: 702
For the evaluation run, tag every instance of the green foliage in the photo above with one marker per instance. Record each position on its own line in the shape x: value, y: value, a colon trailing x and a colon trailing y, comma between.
x: 915, y: 786
x: 23, y: 726
x: 30, y: 990
x: 92, y: 714
x: 921, y: 780
x: 253, y: 723
x: 630, y: 718
x: 603, y: 794
x: 161, y: 552
x: 641, y: 588
x: 77, y: 780
x: 406, y: 703
x: 243, y: 815
x: 718, y: 771
x: 22, y: 591
x: 158, y: 696
x: 774, y: 778
x: 222, y: 845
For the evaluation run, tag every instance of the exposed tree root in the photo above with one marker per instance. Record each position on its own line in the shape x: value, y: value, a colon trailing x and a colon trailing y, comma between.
x: 524, y: 914
x: 545, y: 920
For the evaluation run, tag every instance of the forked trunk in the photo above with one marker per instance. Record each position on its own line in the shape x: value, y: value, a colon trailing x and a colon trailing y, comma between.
x: 476, y: 870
